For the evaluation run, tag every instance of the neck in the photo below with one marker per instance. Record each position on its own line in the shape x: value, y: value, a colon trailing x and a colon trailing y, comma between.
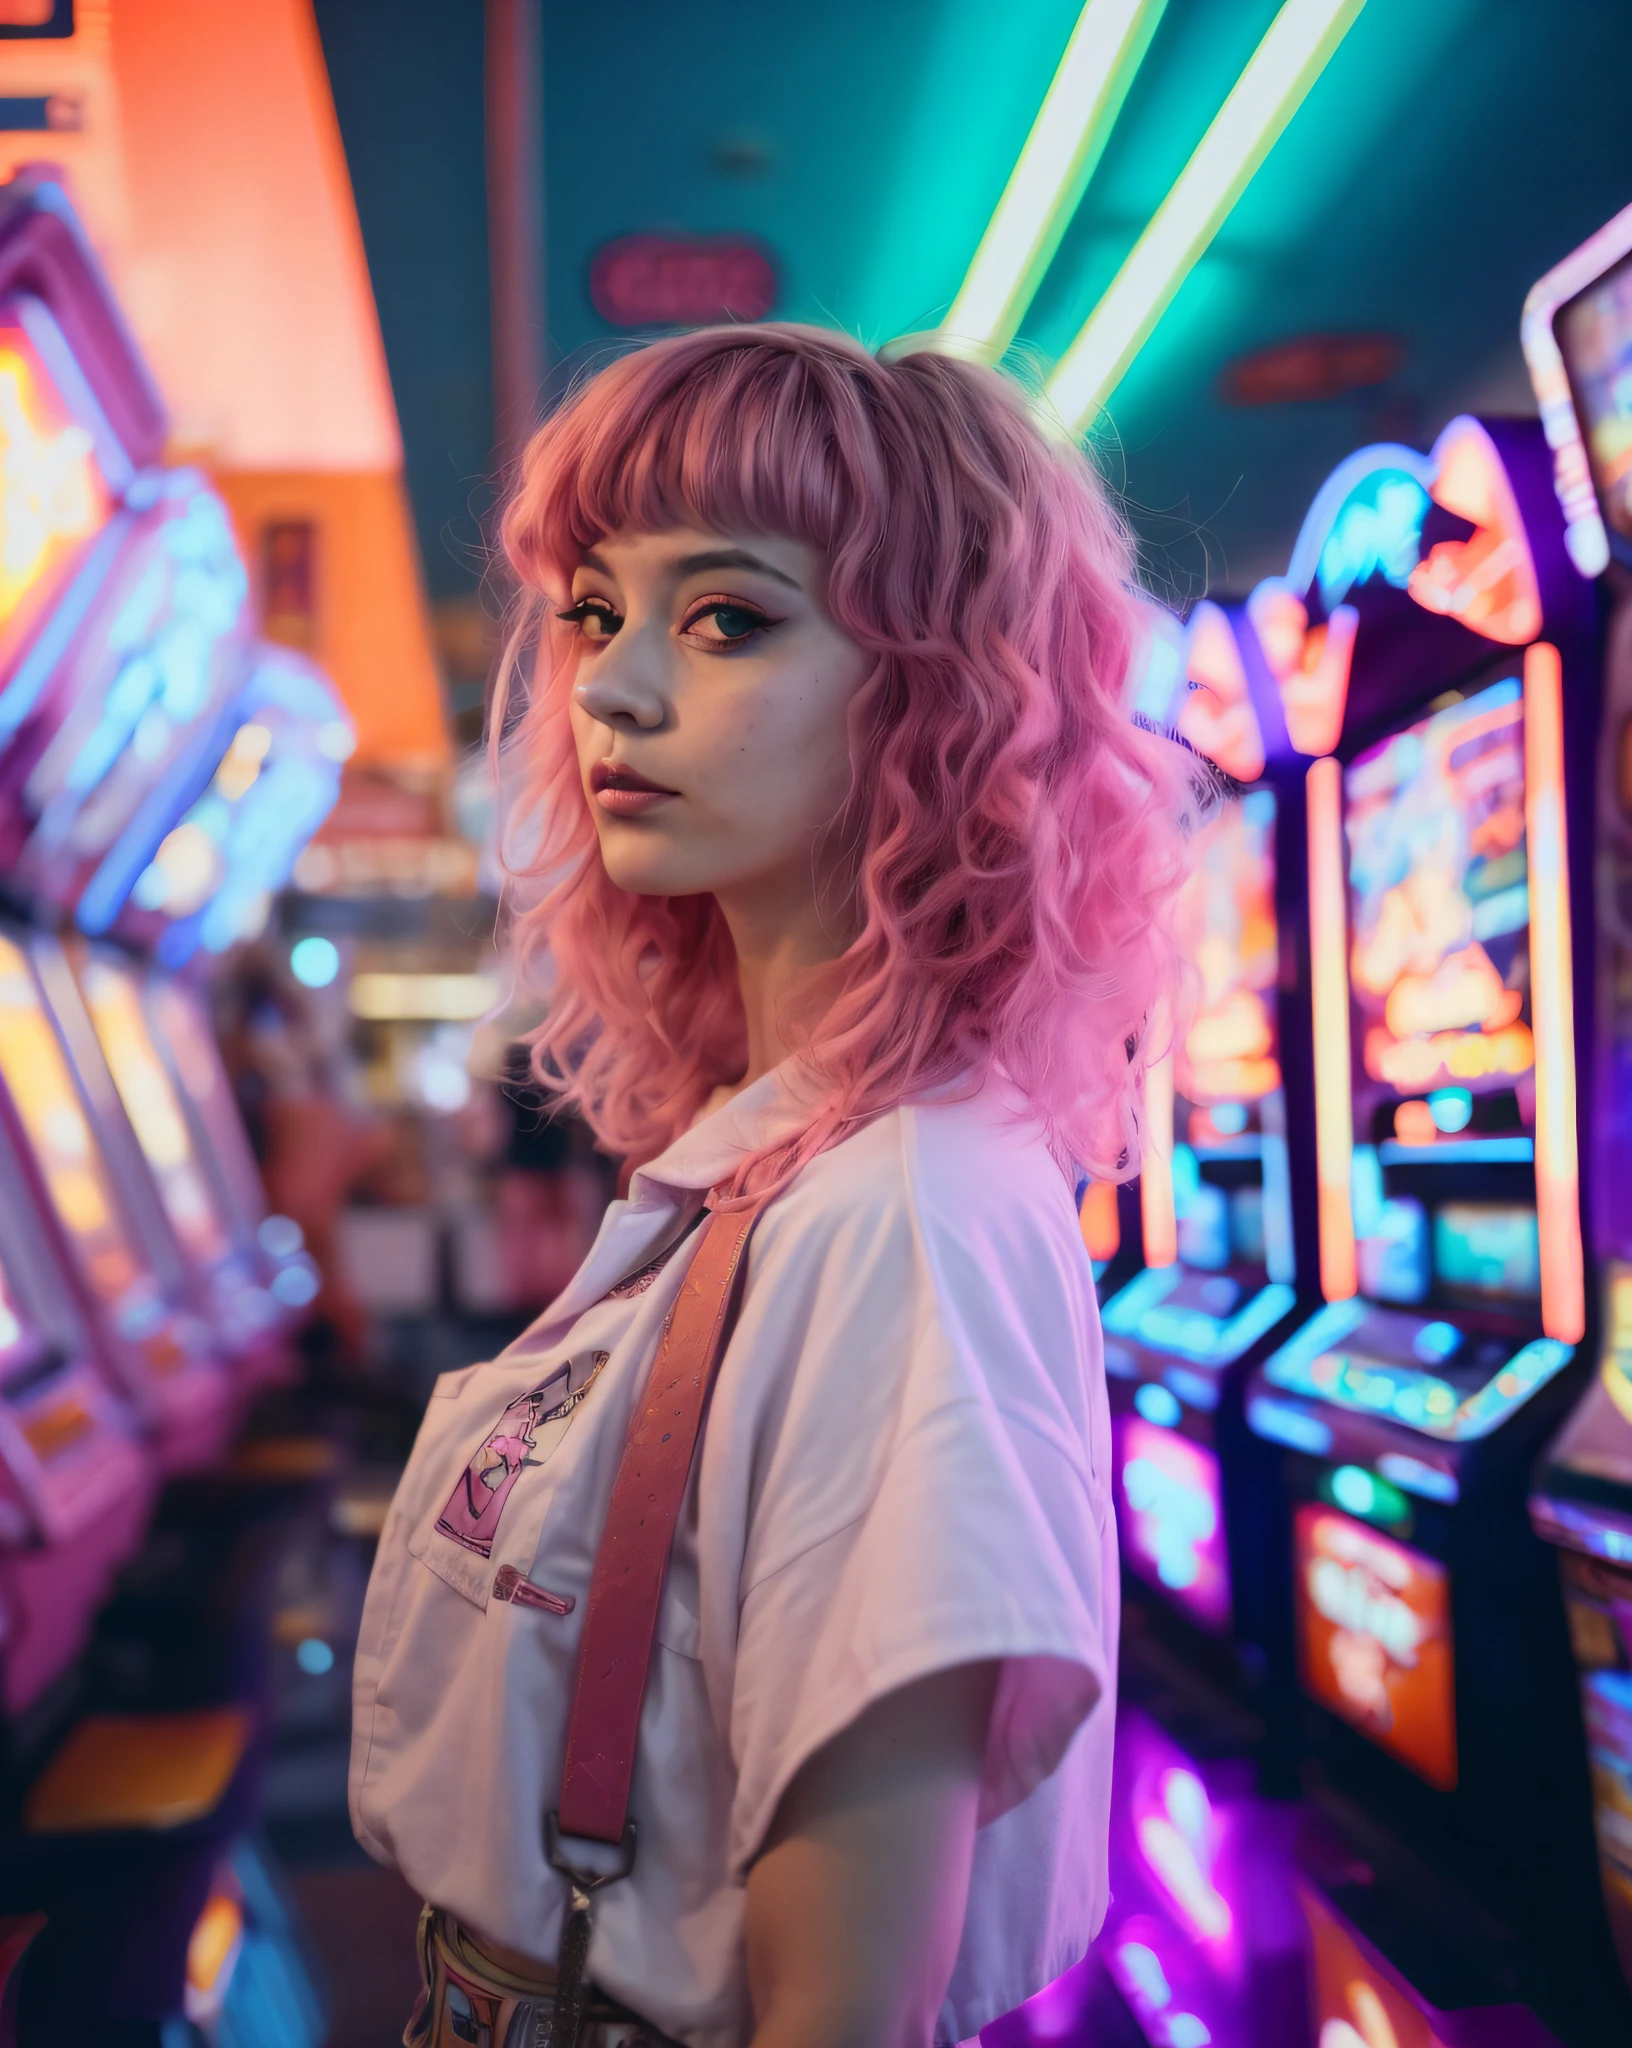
x: 777, y: 942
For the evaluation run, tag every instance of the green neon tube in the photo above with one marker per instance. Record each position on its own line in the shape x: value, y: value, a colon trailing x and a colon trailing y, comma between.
x: 1295, y: 50
x: 1050, y: 175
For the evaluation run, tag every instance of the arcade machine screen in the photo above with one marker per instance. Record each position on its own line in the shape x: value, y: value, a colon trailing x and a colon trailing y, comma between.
x: 181, y: 1029
x: 1442, y: 1336
x: 154, y: 1109
x: 35, y: 1072
x: 1176, y: 1325
x: 1594, y: 333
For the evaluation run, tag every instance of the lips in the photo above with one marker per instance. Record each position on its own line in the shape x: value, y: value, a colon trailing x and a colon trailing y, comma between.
x: 624, y: 793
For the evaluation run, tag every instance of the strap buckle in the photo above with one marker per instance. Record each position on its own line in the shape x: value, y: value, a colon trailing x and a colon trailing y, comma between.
x: 586, y: 1880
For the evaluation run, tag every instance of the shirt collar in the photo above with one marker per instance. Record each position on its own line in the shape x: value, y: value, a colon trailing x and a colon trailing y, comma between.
x: 776, y: 1106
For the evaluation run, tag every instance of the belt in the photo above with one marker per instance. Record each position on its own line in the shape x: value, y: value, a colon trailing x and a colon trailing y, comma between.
x: 471, y: 2000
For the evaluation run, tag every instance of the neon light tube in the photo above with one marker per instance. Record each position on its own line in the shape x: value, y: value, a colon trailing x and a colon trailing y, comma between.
x: 1552, y: 999
x: 1329, y: 988
x: 1292, y: 55
x: 1157, y: 1220
x: 1051, y: 174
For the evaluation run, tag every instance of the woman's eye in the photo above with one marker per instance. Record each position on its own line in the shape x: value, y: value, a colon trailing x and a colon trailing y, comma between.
x: 594, y: 617
x: 724, y: 625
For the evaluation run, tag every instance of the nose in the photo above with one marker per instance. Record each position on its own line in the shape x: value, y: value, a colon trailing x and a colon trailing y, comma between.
x: 625, y: 683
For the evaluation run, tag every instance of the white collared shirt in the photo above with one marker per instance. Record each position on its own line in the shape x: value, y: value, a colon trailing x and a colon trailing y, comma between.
x: 905, y: 1468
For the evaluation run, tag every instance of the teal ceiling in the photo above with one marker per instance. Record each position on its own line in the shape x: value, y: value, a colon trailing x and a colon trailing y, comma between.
x: 1452, y: 150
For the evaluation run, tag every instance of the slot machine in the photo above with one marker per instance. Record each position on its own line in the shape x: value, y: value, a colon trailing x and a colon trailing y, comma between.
x: 1577, y: 335
x: 155, y: 1345
x: 1221, y: 1245
x: 1445, y: 843
x: 76, y: 1484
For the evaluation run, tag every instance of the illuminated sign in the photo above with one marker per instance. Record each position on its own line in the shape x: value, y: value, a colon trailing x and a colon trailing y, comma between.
x: 54, y: 496
x: 1310, y: 664
x: 1367, y: 522
x: 1357, y: 2002
x: 1171, y: 1514
x: 1374, y: 1639
x: 682, y: 281
x: 1217, y: 717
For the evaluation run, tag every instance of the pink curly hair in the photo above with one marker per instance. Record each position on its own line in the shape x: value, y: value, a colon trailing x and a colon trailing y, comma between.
x: 1012, y: 845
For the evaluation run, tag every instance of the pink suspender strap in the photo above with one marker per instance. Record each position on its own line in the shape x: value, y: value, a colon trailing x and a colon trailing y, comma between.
x: 620, y: 1625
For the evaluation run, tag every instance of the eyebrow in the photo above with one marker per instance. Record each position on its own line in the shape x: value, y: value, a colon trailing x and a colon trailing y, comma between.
x: 710, y: 558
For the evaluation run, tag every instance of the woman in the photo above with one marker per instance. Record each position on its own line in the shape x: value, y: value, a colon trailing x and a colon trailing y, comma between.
x: 853, y: 879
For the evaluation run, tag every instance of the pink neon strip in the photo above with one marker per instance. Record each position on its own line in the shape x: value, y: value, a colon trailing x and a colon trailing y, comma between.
x: 1552, y: 999
x: 1329, y: 987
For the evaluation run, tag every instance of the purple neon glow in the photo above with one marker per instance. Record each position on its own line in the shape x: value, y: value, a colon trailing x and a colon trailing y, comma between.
x: 1204, y: 1939
x: 1171, y: 1516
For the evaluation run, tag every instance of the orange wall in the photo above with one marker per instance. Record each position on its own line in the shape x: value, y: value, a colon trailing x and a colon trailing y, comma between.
x: 209, y: 168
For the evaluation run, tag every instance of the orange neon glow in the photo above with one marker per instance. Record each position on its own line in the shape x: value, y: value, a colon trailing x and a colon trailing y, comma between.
x: 1156, y: 1216
x: 1310, y: 667
x: 1487, y: 581
x: 1101, y: 1225
x: 1216, y: 716
x: 1552, y: 1003
x: 1329, y: 981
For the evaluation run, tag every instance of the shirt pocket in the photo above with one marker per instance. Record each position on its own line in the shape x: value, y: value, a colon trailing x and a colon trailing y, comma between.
x: 461, y: 1514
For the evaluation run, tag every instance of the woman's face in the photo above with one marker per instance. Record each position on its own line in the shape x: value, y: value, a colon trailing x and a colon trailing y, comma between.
x: 709, y: 709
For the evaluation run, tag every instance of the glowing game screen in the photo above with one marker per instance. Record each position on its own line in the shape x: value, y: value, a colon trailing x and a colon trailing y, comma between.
x: 1170, y: 1511
x: 1444, y: 1056
x: 1231, y: 1194
x: 1374, y: 1638
x: 154, y: 1109
x: 35, y: 1071
x: 1595, y: 338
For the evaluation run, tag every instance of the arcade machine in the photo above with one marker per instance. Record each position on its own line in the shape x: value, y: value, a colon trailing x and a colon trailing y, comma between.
x: 1222, y: 1244
x: 1201, y: 1934
x: 206, y: 883
x: 76, y: 1484
x: 1577, y: 334
x: 127, y: 676
x: 1440, y: 861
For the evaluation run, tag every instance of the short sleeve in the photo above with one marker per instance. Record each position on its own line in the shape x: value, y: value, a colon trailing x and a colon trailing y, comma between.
x: 929, y: 1495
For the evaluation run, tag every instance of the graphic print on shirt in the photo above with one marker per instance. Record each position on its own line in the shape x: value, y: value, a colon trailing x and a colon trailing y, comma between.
x: 642, y: 1277
x: 471, y: 1517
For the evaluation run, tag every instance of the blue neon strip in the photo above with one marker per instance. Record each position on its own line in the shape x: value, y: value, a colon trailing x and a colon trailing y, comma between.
x: 51, y: 643
x: 1127, y: 1308
x: 1459, y: 1152
x: 1278, y: 1422
x: 1431, y: 1482
x: 1288, y: 1367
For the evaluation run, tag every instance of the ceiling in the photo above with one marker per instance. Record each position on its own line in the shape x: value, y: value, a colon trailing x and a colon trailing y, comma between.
x: 1450, y: 153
